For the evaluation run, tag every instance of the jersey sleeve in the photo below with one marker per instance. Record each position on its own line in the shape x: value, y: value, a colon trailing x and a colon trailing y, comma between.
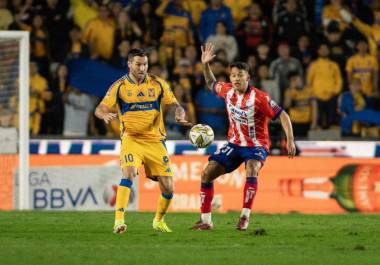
x: 110, y: 99
x: 168, y: 97
x: 270, y: 108
x: 220, y: 89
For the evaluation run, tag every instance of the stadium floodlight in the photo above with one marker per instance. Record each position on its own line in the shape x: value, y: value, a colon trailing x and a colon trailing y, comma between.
x: 14, y: 90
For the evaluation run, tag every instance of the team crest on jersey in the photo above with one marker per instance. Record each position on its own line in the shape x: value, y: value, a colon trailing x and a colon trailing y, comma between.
x: 151, y: 92
x: 129, y: 93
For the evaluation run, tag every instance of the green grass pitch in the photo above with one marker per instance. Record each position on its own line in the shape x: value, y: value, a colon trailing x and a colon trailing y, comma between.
x: 40, y: 238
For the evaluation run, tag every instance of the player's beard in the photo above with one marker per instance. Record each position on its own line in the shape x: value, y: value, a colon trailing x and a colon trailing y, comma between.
x: 140, y: 76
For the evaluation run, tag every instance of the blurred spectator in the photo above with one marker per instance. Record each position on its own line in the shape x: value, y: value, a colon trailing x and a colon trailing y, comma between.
x: 177, y: 24
x: 213, y: 14
x: 352, y: 107
x: 291, y: 25
x: 282, y: 66
x: 221, y: 55
x: 136, y: 44
x: 15, y: 6
x: 325, y: 80
x: 52, y: 118
x: 149, y: 23
x: 38, y: 97
x: 372, y: 32
x: 238, y: 9
x: 280, y: 9
x: 120, y: 57
x: 301, y: 105
x: 339, y: 49
x: 218, y: 67
x: 195, y: 7
x: 222, y: 41
x: 38, y: 42
x: 191, y: 54
x: 304, y: 51
x: 184, y: 99
x: 177, y: 32
x: 253, y: 30
x: 156, y: 69
x: 126, y: 29
x: 154, y: 56
x: 362, y: 10
x: 99, y: 34
x: 57, y: 28
x: 331, y: 12
x: 252, y: 63
x: 263, y: 54
x: 172, y: 39
x: 6, y: 17
x: 78, y: 107
x: 211, y: 109
x: 364, y: 67
x: 266, y: 84
x: 184, y: 77
x: 75, y: 48
x: 116, y: 8
x: 84, y: 11
x: 23, y: 11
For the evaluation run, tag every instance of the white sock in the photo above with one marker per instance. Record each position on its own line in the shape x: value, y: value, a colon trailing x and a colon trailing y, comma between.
x: 206, y: 218
x: 245, y: 212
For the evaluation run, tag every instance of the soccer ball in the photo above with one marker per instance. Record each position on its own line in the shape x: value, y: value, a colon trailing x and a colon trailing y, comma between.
x: 201, y: 135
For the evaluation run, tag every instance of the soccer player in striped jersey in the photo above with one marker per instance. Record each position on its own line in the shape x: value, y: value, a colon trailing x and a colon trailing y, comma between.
x: 248, y: 111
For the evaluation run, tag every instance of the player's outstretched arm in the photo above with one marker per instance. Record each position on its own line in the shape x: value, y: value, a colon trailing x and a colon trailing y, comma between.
x: 207, y: 56
x: 287, y: 126
x: 180, y: 116
x: 104, y: 113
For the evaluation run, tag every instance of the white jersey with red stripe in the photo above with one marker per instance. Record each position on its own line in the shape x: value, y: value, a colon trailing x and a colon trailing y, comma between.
x: 248, y: 115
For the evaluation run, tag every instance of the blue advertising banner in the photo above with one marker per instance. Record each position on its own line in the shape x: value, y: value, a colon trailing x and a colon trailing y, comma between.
x: 91, y: 76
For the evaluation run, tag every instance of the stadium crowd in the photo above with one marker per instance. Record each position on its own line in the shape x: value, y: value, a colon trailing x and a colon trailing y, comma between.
x: 318, y: 59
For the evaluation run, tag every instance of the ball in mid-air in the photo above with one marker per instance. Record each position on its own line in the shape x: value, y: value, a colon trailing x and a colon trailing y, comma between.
x: 201, y: 135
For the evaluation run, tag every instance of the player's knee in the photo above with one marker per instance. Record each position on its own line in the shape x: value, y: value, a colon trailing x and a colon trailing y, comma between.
x: 253, y: 169
x: 168, y: 189
x: 129, y: 173
x: 205, y: 177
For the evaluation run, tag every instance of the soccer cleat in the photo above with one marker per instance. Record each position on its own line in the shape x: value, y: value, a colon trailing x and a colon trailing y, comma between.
x: 161, y: 226
x: 243, y: 223
x: 200, y: 226
x: 119, y: 227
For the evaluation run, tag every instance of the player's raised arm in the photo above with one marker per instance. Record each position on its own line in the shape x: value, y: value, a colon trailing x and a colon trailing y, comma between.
x: 207, y: 56
x: 287, y: 126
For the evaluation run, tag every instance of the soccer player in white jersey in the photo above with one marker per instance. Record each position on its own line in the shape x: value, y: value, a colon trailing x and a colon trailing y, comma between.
x: 248, y: 139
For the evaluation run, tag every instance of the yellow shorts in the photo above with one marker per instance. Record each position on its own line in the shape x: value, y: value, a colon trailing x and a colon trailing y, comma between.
x: 153, y: 155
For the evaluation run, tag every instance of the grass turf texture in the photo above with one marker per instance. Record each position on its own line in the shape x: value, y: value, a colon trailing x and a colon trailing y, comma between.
x: 86, y: 238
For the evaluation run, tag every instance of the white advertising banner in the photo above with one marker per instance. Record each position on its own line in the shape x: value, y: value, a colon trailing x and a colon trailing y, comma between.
x: 75, y: 188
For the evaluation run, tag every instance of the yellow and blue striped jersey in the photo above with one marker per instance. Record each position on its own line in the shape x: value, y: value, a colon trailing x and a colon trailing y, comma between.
x: 140, y: 107
x: 363, y: 67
